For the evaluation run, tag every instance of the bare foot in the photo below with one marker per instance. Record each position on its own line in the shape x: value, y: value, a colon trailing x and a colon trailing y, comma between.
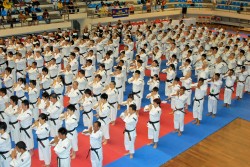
x: 150, y: 143
x: 131, y: 156
x: 238, y: 98
x: 213, y: 116
x: 225, y: 105
x: 195, y: 121
x: 209, y: 114
x: 179, y: 133
x: 176, y: 130
x: 155, y: 145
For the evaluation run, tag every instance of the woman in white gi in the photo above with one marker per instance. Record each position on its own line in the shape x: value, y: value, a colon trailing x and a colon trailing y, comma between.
x: 103, y: 115
x: 86, y: 104
x: 62, y: 148
x: 154, y: 122
x: 229, y: 87
x: 186, y: 82
x: 33, y: 97
x: 179, y: 113
x: 153, y: 95
x: 130, y: 118
x: 95, y: 144
x: 5, y: 146
x: 20, y: 156
x: 58, y: 87
x: 154, y: 81
x: 71, y: 123
x: 25, y: 119
x: 14, y: 125
x: 42, y: 131
x: 19, y: 89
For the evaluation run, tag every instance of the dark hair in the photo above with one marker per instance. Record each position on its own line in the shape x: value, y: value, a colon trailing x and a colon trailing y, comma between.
x: 98, y: 123
x: 155, y: 89
x: 82, y: 72
x: 104, y: 96
x: 138, y: 72
x: 3, y: 126
x: 26, y: 103
x: 62, y: 131
x: 21, y: 145
x: 183, y: 87
x: 157, y: 101
x: 3, y: 90
x: 8, y: 69
x: 45, y: 95
x: 45, y: 69
x: 88, y: 91
x: 133, y: 106
x: 53, y: 95
x: 201, y: 79
x: 33, y: 82
x: 177, y: 79
x: 217, y: 74
x: 131, y: 96
x: 14, y: 99
x: 43, y: 116
x: 71, y: 107
x: 22, y: 80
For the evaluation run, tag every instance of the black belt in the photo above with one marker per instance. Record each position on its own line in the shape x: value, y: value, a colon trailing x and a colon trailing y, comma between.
x: 8, y: 87
x: 3, y: 63
x: 128, y: 131
x: 82, y: 91
x: 99, y: 51
x: 19, y: 71
x: 169, y: 80
x: 87, y: 77
x: 40, y: 67
x: 238, y: 65
x: 97, y: 95
x: 102, y: 119
x: 198, y: 100
x: 13, y: 123
x: 67, y: 84
x: 242, y: 82
x: 230, y: 87
x: 188, y: 89
x: 58, y: 63
x: 2, y: 154
x: 119, y: 87
x: 58, y: 94
x: 179, y: 109
x: 214, y: 95
x: 70, y: 131
x: 46, y: 89
x: 136, y: 93
x: 53, y: 120
x: 59, y: 161
x: 33, y: 104
x: 20, y: 98
x: 41, y: 141
x: 94, y: 149
x: 87, y: 113
x: 112, y: 104
x: 153, y: 124
x: 25, y: 130
x: 53, y: 77
x: 107, y: 69
x: 1, y: 113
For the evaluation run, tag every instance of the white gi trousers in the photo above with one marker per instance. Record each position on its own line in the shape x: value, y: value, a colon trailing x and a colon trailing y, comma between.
x: 228, y: 95
x: 54, y: 124
x: 27, y: 137
x: 153, y: 131
x: 63, y: 162
x: 96, y: 161
x: 179, y: 120
x: 212, y: 105
x: 239, y: 89
x: 113, y: 113
x: 5, y: 162
x: 44, y: 151
x: 73, y: 137
x: 129, y: 142
x: 87, y: 118
x: 15, y: 131
x: 198, y: 109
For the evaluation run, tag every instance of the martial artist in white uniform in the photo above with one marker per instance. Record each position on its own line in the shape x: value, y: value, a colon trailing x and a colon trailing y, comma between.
x: 4, y: 100
x: 95, y: 144
x: 137, y: 88
x: 8, y: 81
x: 86, y: 104
x: 25, y: 119
x: 33, y: 97
x: 200, y: 93
x: 171, y: 74
x: 130, y: 118
x: 229, y: 87
x: 119, y: 80
x: 179, y: 113
x: 241, y: 80
x: 20, y: 156
x: 62, y: 148
x: 71, y: 124
x: 42, y: 131
x: 14, y: 125
x: 213, y: 96
x: 103, y: 114
x: 154, y: 122
x: 5, y: 146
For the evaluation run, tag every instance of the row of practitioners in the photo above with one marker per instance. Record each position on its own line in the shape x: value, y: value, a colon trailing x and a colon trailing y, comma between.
x: 45, y: 127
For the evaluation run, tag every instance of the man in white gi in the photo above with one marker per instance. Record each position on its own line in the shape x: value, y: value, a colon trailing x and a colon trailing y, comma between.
x: 213, y: 96
x: 86, y: 103
x: 95, y: 144
x: 62, y: 148
x: 20, y: 156
x: 103, y: 116
x: 229, y: 87
x: 241, y: 80
x: 25, y: 119
x: 5, y: 146
x: 200, y: 93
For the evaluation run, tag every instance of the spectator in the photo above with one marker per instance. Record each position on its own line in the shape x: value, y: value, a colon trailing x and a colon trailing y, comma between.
x: 60, y: 7
x: 71, y: 7
x: 241, y: 8
x: 163, y: 3
x: 1, y: 7
x: 9, y: 19
x: 35, y: 3
x: 229, y: 2
x: 148, y: 6
x: 6, y: 4
x: 55, y: 4
x: 34, y: 18
x: 46, y: 16
x: 21, y: 17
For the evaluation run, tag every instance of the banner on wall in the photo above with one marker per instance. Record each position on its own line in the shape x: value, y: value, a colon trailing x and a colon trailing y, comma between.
x: 121, y: 12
